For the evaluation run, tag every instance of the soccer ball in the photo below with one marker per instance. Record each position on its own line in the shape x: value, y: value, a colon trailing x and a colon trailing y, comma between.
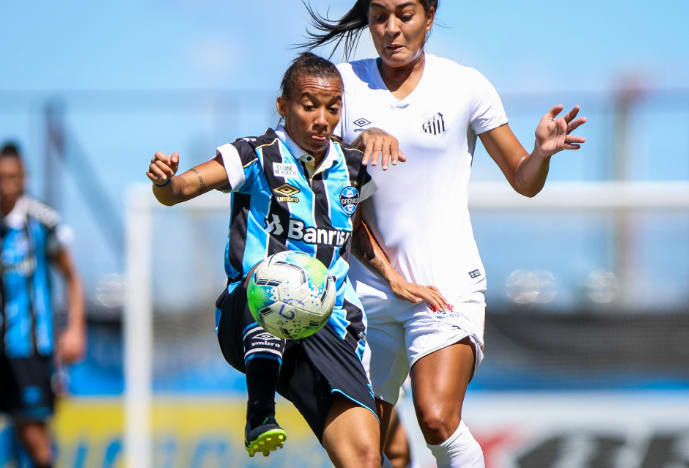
x: 291, y: 295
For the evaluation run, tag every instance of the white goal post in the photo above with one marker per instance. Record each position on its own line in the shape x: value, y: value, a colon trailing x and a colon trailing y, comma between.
x: 138, y: 303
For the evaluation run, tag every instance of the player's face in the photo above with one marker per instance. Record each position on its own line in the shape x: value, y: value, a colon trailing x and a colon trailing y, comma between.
x: 312, y: 112
x: 11, y: 180
x: 399, y: 29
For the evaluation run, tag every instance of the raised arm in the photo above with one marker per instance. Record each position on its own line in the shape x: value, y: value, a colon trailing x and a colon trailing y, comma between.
x: 526, y: 172
x: 171, y: 189
x: 367, y: 250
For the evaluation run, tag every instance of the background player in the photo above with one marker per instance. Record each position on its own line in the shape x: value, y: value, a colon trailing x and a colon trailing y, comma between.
x: 32, y: 238
x: 436, y: 108
x: 323, y: 375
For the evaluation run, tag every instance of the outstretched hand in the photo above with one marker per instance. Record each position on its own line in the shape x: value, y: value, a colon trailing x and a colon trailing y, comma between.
x: 162, y: 167
x: 379, y: 145
x: 554, y: 135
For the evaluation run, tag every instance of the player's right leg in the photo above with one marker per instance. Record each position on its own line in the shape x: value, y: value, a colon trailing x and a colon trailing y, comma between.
x: 250, y: 349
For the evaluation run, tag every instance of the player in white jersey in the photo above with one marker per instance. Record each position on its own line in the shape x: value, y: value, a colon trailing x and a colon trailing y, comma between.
x: 435, y: 108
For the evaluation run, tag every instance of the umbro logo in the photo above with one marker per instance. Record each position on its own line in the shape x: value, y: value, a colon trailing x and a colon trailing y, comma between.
x: 435, y: 125
x: 286, y: 193
x: 264, y: 336
x: 362, y: 122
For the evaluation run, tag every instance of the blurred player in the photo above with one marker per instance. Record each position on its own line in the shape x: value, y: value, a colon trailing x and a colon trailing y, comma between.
x: 32, y: 239
x: 436, y: 108
x: 287, y: 193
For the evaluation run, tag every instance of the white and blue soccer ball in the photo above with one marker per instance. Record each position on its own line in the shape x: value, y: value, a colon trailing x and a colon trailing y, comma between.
x: 291, y: 295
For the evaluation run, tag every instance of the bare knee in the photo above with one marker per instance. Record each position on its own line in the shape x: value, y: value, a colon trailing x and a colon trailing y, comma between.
x: 368, y: 457
x: 437, y: 422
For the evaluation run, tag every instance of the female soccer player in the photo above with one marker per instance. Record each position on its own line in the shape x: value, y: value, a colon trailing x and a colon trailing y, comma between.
x: 286, y: 184
x: 436, y: 108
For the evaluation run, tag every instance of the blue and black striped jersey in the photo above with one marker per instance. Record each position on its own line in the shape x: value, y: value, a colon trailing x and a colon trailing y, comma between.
x: 280, y: 200
x: 29, y: 240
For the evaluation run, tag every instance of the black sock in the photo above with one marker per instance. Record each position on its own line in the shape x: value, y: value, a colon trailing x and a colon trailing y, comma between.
x: 50, y: 465
x: 261, y: 382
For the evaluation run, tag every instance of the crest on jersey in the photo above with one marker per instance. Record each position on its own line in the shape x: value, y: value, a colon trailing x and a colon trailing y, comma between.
x: 285, y: 193
x: 349, y: 198
x: 362, y: 122
x: 435, y: 125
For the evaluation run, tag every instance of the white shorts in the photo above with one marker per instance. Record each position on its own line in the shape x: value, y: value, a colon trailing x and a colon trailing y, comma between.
x: 400, y: 333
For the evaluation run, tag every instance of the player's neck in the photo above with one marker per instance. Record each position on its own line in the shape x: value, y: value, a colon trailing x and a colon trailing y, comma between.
x: 6, y: 206
x: 401, y: 81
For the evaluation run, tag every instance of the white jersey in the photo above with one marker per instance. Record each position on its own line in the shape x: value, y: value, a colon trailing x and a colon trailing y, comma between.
x: 420, y: 210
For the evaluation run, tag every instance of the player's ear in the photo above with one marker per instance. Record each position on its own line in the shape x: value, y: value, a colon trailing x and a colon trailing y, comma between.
x: 281, y: 105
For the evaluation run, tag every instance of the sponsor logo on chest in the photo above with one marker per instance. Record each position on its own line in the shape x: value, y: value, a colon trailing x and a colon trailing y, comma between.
x: 297, y: 230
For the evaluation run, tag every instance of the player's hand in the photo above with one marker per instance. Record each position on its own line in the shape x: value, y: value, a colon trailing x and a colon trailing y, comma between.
x: 162, y: 168
x: 71, y: 345
x: 554, y: 135
x: 379, y: 145
x: 415, y: 293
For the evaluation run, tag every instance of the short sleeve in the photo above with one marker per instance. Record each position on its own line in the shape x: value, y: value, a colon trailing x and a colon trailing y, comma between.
x: 241, y: 163
x: 59, y: 238
x: 368, y: 186
x: 487, y: 110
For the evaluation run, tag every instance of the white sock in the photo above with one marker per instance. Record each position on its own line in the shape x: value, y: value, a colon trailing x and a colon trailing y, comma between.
x: 459, y: 451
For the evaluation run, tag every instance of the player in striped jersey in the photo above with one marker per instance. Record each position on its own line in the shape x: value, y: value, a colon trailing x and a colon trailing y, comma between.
x: 31, y: 240
x: 295, y: 188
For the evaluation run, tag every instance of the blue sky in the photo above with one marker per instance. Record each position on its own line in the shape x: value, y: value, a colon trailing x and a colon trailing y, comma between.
x: 581, y: 51
x: 521, y: 46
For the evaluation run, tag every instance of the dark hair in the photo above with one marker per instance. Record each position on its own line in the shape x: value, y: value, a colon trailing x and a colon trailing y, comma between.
x: 10, y: 150
x: 310, y: 65
x: 347, y: 29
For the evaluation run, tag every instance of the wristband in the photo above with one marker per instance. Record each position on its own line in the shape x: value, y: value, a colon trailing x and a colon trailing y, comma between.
x: 163, y: 185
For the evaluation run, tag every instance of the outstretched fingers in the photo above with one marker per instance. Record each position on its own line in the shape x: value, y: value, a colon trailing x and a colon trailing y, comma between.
x: 571, y: 126
x: 554, y: 111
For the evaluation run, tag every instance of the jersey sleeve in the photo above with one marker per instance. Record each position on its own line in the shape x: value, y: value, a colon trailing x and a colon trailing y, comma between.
x: 368, y: 186
x: 59, y: 236
x: 241, y: 164
x: 487, y: 110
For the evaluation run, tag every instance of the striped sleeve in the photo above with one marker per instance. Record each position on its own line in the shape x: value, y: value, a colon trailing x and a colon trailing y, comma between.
x: 240, y: 161
x: 368, y: 186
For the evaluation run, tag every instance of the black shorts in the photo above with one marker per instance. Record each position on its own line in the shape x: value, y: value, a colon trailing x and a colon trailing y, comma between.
x: 313, y: 369
x: 26, y: 391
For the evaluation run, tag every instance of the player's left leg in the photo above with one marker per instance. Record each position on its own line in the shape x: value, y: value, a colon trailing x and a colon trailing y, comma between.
x: 351, y: 435
x: 439, y: 384
x: 35, y: 438
x: 250, y: 349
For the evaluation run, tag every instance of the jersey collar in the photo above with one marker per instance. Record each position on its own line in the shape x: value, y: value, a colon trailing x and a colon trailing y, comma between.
x: 16, y: 219
x: 308, y: 159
